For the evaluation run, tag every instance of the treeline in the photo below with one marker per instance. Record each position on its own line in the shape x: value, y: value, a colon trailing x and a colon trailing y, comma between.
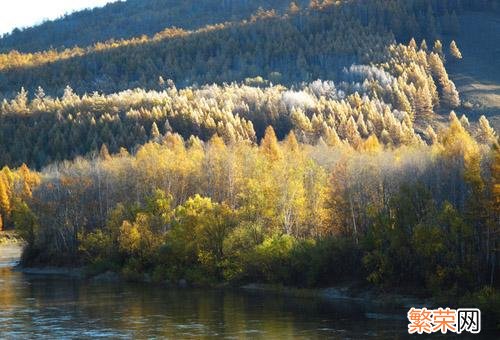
x: 302, y: 44
x: 287, y: 212
x: 131, y: 18
x: 393, y: 99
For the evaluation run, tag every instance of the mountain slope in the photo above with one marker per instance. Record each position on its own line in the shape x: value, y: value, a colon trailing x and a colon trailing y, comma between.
x: 290, y: 49
x: 129, y: 19
x: 375, y: 86
x: 299, y: 45
x: 477, y: 75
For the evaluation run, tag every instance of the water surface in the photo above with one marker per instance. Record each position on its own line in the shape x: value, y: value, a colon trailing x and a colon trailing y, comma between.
x: 54, y: 307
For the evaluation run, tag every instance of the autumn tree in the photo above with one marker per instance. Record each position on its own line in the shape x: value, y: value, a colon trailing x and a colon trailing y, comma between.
x: 454, y: 51
x: 269, y: 145
x: 486, y: 134
x: 438, y: 49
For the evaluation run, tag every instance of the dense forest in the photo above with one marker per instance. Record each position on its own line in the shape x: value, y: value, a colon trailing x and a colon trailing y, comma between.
x: 308, y: 143
x: 301, y: 44
x: 387, y: 100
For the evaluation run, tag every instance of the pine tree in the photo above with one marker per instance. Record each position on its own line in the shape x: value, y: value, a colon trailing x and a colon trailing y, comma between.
x: 155, y: 133
x: 69, y: 96
x: 412, y: 44
x: 431, y: 135
x: 168, y: 127
x: 269, y: 145
x: 351, y: 132
x: 423, y: 102
x: 363, y: 130
x: 20, y: 103
x: 402, y: 102
x: 423, y: 46
x: 438, y: 49
x: 486, y: 133
x: 454, y: 51
x: 291, y: 143
x: 332, y: 138
x: 104, y: 153
x: 371, y: 145
x: 29, y: 180
x: 300, y: 120
x: 465, y: 122
x: 451, y: 97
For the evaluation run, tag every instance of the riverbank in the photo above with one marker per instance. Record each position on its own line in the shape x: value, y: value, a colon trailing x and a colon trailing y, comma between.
x: 366, y: 297
x: 50, y: 271
x: 10, y: 250
x: 10, y: 238
x: 357, y: 294
x: 348, y: 293
x: 55, y: 307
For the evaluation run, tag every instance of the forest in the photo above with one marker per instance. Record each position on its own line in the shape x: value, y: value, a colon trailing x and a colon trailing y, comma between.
x: 132, y: 18
x: 391, y: 99
x: 308, y: 144
x: 420, y: 217
x: 301, y: 44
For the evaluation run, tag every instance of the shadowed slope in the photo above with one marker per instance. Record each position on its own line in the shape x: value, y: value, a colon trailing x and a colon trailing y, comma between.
x: 129, y: 19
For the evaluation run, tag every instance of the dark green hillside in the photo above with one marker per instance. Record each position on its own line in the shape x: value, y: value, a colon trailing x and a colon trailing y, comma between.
x: 126, y: 19
x: 299, y: 45
x: 285, y: 49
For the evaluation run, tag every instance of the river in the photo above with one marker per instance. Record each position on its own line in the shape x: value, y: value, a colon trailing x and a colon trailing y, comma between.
x: 34, y: 306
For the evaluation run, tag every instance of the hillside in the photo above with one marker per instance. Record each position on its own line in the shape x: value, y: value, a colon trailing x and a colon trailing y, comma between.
x: 300, y: 47
x: 71, y: 104
x: 477, y: 75
x: 132, y: 18
x: 299, y: 44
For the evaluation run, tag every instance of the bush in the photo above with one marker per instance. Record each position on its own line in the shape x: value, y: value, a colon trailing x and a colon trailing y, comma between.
x: 273, y: 256
x: 325, y: 262
x: 239, y: 252
x: 133, y: 270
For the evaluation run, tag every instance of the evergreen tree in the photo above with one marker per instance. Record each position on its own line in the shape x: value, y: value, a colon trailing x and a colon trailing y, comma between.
x: 438, y: 49
x: 269, y: 145
x: 454, y: 51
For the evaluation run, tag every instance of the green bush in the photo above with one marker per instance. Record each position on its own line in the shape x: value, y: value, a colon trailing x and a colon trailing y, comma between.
x: 273, y: 256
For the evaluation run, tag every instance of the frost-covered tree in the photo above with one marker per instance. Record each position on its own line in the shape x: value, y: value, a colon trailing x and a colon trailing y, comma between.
x: 454, y: 51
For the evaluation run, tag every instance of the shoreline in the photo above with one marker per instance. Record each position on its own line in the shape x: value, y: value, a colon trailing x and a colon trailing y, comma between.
x: 367, y: 297
x: 9, y: 238
x: 51, y: 271
x: 350, y: 292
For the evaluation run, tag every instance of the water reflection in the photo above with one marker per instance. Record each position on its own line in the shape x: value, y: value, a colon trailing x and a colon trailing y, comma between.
x: 32, y: 307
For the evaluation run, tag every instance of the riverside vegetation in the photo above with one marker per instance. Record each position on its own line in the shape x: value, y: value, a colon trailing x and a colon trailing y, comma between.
x: 271, y: 177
